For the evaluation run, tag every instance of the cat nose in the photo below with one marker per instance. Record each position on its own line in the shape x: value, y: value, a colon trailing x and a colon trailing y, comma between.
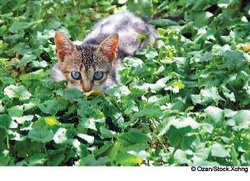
x: 86, y: 86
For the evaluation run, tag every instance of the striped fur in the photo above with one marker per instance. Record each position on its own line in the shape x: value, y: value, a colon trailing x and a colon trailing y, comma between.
x: 110, y: 40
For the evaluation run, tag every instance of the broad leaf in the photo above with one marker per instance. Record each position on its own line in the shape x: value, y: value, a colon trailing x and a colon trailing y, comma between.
x: 218, y: 150
x: 40, y: 132
x: 216, y: 115
x: 16, y: 91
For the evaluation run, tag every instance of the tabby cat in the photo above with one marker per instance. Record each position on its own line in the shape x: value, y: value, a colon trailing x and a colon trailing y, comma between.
x: 95, y: 63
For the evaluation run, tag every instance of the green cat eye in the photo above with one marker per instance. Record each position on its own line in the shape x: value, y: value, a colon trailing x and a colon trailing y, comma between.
x: 98, y: 75
x: 76, y: 75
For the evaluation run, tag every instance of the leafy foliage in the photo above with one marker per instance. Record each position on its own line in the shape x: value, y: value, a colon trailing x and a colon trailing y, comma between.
x: 186, y: 103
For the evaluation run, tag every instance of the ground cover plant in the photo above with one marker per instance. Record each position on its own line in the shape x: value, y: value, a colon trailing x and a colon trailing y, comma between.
x: 186, y: 103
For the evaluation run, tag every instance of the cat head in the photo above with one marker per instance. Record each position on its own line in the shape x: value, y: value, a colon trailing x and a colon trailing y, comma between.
x: 86, y: 67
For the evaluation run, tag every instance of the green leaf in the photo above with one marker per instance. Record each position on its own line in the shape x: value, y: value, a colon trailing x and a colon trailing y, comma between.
x: 33, y: 75
x: 17, y: 26
x: 5, y: 120
x: 160, y: 84
x: 163, y: 22
x: 216, y: 115
x: 106, y: 133
x: 1, y: 107
x: 185, y: 102
x: 207, y: 96
x: 152, y: 53
x: 23, y: 119
x: 16, y: 111
x: 39, y: 64
x: 240, y: 120
x: 88, y: 123
x: 60, y: 136
x: 142, y: 7
x: 234, y: 156
x: 37, y: 159
x: 199, y: 5
x: 234, y: 60
x: 51, y: 107
x: 245, y: 158
x: 27, y: 148
x: 106, y: 149
x: 3, y: 134
x: 218, y: 150
x: 135, y: 137
x: 91, y: 161
x: 201, y: 162
x: 51, y: 121
x: 6, y: 160
x: 27, y: 58
x: 126, y: 159
x: 149, y: 113
x: 181, y: 157
x: 114, y: 150
x: 201, y: 19
x: 40, y: 132
x: 178, y: 123
x: 72, y: 94
x: 88, y: 138
x: 228, y: 94
x: 56, y: 157
x: 20, y: 92
x: 210, y: 93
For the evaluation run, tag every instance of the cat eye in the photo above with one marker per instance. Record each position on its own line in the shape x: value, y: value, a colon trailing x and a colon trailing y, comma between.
x: 98, y: 75
x: 76, y: 75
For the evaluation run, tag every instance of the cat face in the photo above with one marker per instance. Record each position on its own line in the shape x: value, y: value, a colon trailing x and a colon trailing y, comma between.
x: 85, y: 67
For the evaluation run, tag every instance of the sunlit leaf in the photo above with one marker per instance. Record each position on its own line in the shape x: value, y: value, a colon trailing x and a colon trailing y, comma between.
x: 219, y: 150
x: 20, y: 92
x: 23, y: 119
x: 216, y: 115
x: 51, y: 121
x: 88, y: 138
x: 179, y: 123
x: 60, y: 136
x: 181, y: 157
x: 240, y: 120
x: 126, y: 159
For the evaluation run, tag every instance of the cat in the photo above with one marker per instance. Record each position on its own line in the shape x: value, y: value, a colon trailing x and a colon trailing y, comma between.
x: 95, y: 63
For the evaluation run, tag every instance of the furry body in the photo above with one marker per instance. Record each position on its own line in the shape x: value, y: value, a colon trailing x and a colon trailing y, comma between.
x: 95, y: 63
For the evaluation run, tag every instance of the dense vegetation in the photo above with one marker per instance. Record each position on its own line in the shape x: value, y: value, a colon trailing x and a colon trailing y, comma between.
x: 186, y: 103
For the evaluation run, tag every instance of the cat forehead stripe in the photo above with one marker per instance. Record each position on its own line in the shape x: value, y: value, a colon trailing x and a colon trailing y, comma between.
x: 87, y: 57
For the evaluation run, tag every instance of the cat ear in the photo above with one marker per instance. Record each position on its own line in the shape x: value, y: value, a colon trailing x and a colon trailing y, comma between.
x: 64, y: 46
x: 109, y: 46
